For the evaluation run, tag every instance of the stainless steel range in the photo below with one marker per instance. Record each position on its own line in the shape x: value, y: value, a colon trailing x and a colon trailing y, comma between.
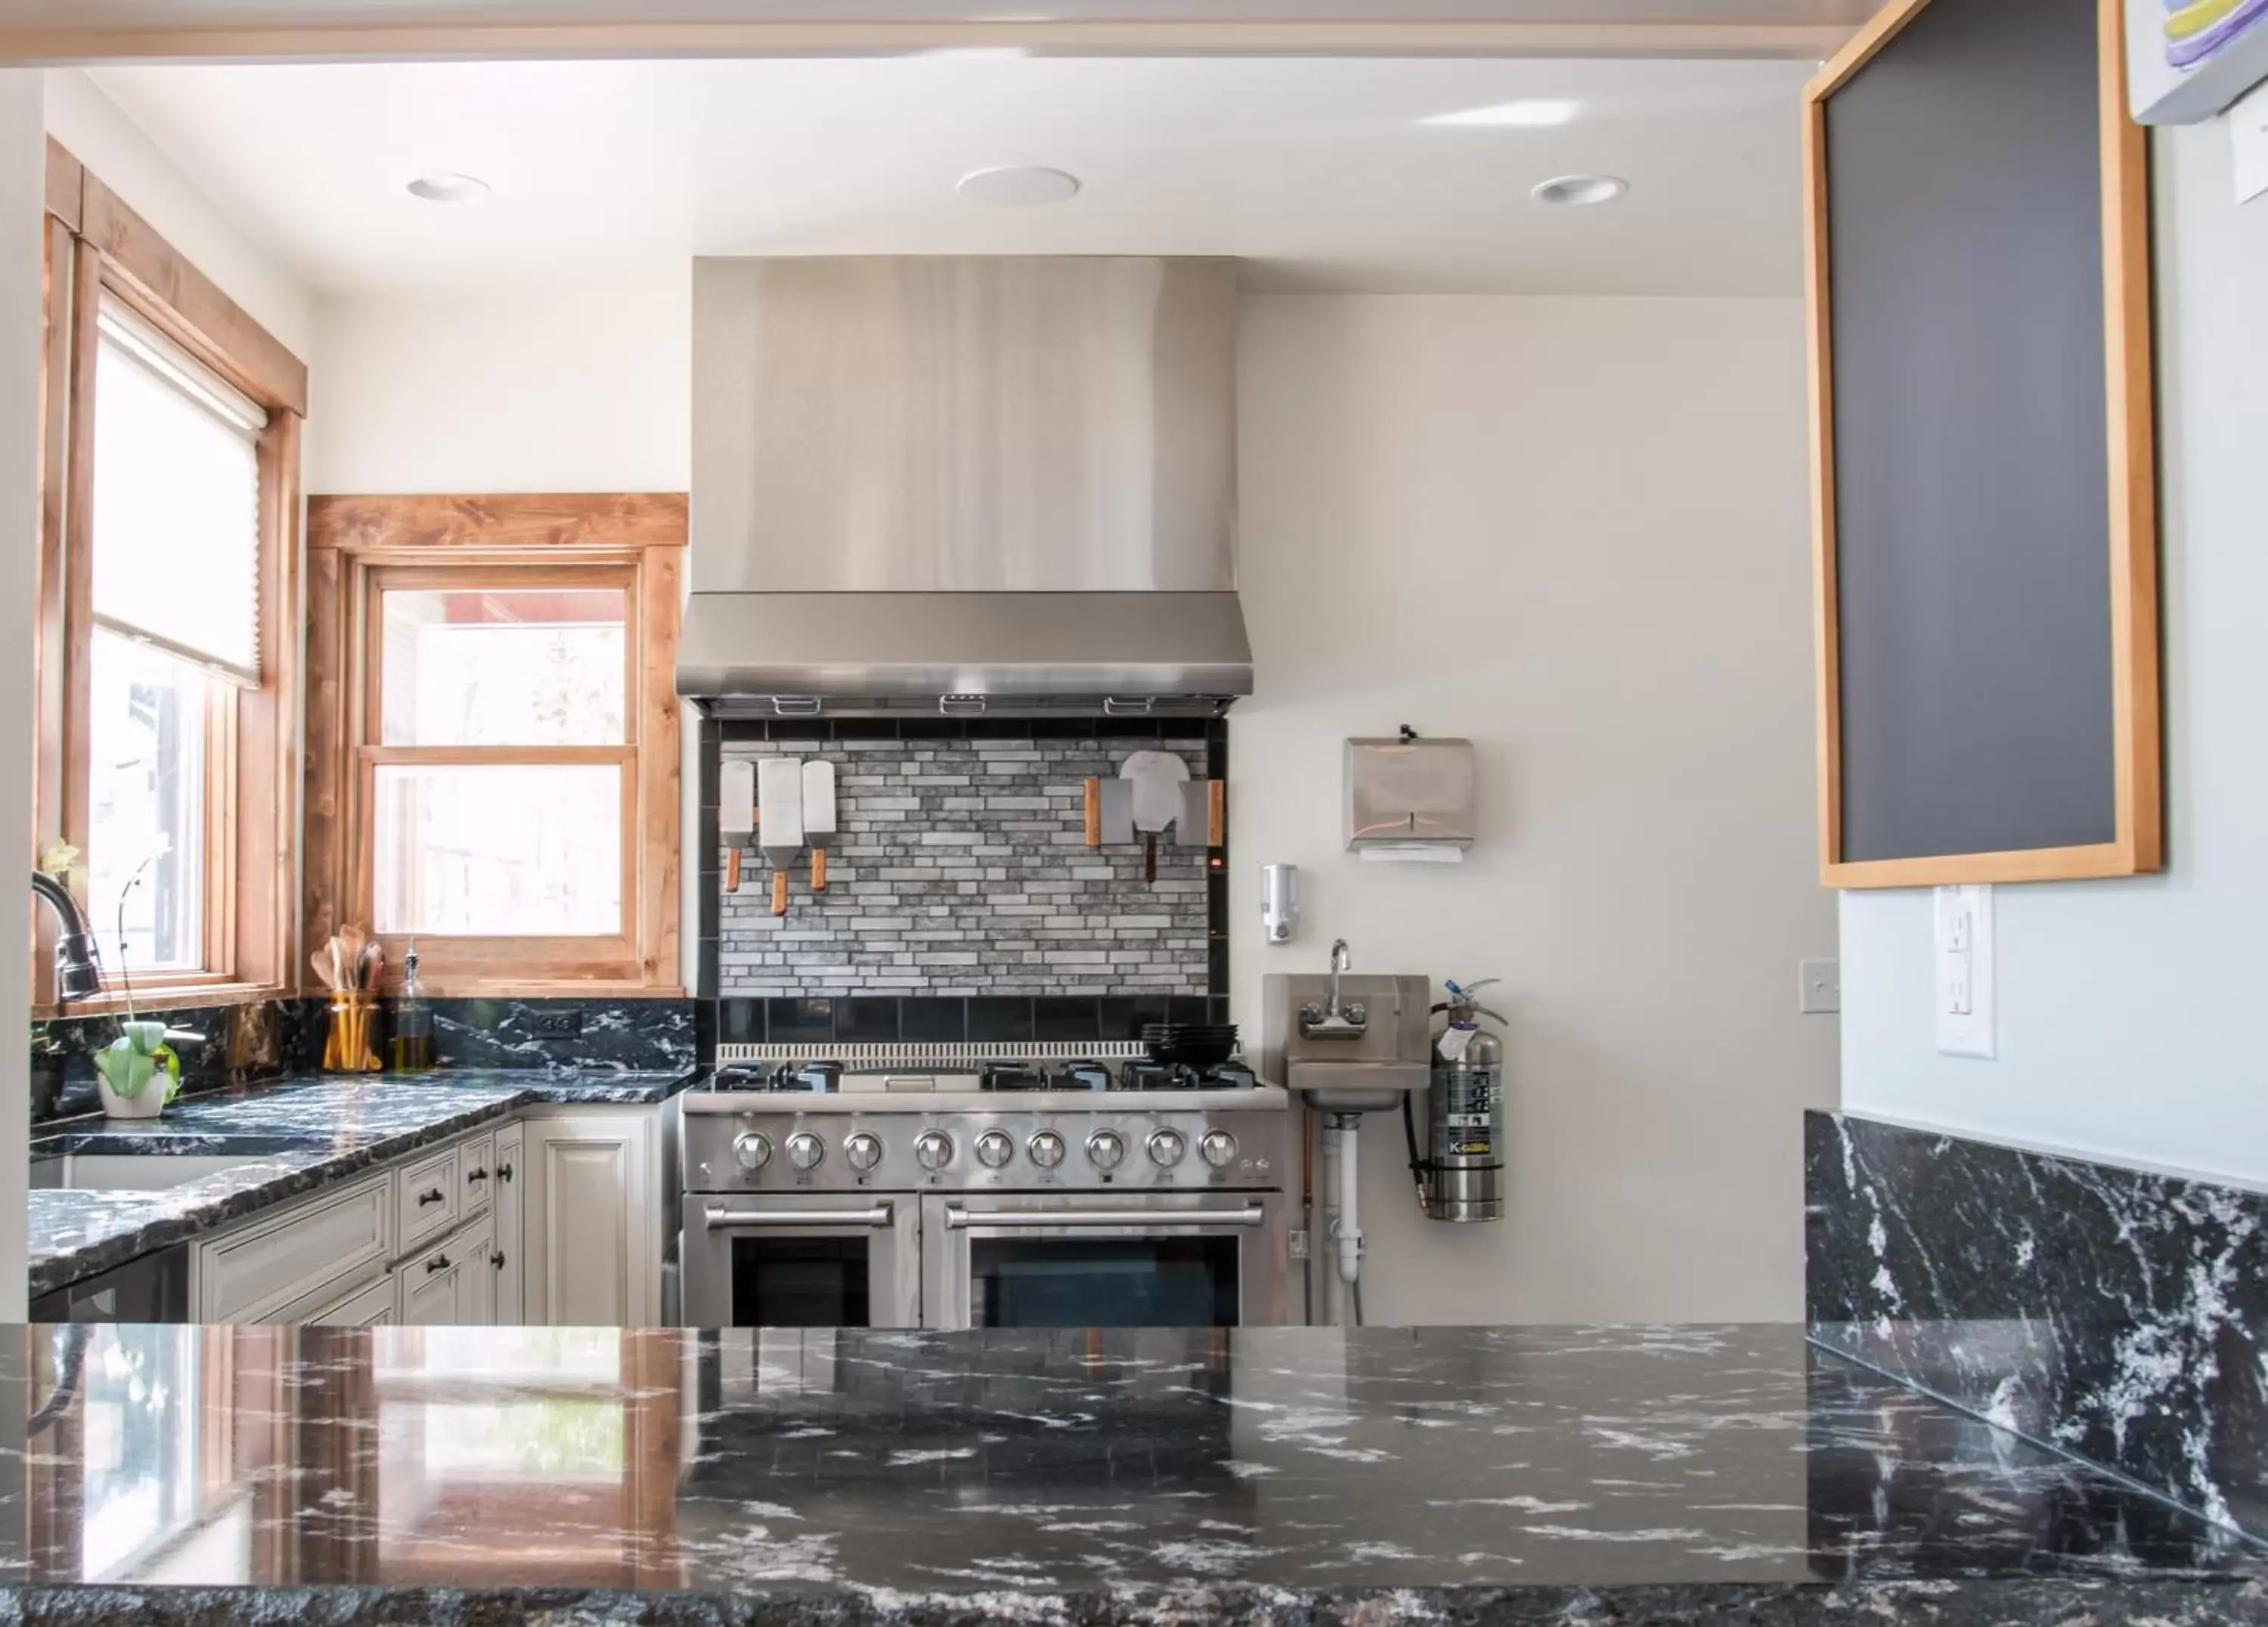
x: 984, y: 1186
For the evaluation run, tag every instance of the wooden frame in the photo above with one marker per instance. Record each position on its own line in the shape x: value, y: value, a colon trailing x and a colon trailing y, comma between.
x: 358, y: 546
x: 96, y: 246
x: 2130, y: 454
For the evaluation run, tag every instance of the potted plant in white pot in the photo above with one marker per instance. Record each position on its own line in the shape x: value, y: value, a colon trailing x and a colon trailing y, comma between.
x: 126, y: 1070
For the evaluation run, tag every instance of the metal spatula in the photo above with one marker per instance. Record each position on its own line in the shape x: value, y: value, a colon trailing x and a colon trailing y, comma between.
x: 818, y: 816
x: 736, y: 814
x: 1157, y: 777
x: 779, y: 819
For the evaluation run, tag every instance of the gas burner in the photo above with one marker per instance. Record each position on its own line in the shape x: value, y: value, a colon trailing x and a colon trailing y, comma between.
x: 1147, y: 1074
x: 1017, y: 1076
x: 810, y: 1078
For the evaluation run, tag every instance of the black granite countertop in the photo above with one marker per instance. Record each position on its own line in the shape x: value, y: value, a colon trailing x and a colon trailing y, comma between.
x: 297, y: 1135
x: 1568, y: 1474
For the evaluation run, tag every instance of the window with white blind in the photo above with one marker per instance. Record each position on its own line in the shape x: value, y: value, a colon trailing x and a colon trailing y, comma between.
x: 175, y: 522
x: 167, y: 660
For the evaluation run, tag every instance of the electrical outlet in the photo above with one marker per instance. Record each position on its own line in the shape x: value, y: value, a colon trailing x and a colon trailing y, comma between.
x: 1819, y: 987
x: 1966, y: 977
x: 562, y: 1024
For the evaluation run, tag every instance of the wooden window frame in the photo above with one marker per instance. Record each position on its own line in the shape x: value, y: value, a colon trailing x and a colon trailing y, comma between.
x: 357, y: 545
x: 95, y: 246
x: 2138, y: 790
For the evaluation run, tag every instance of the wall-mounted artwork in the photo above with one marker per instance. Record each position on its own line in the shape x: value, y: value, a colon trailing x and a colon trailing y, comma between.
x: 2189, y: 59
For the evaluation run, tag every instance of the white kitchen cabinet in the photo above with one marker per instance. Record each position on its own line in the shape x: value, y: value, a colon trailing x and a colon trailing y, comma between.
x: 311, y: 1252
x: 505, y: 1189
x: 591, y: 1217
x: 366, y: 1308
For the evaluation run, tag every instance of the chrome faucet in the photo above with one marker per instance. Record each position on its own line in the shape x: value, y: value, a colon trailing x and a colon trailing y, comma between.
x: 1334, y: 1020
x: 78, y: 972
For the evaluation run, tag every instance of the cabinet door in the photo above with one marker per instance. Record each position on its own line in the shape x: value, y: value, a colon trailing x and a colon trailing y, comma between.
x: 477, y: 1274
x: 506, y: 1196
x: 591, y: 1228
x: 476, y: 1174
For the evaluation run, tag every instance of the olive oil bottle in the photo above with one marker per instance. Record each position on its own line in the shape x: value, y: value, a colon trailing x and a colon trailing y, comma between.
x: 412, y: 1021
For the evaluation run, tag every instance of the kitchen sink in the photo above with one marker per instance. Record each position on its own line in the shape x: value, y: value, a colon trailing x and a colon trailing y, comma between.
x: 112, y: 1172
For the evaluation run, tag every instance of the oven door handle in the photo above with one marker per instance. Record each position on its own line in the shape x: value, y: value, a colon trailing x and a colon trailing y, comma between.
x: 957, y: 1218
x: 733, y: 1220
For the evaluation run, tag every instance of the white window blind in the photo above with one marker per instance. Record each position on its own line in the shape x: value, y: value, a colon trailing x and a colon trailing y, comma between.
x: 176, y: 513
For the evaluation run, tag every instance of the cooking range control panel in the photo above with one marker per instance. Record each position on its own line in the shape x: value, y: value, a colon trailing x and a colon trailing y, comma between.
x: 982, y: 1152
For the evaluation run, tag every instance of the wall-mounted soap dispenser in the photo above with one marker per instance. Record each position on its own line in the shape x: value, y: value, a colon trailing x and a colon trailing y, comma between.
x: 1279, y: 901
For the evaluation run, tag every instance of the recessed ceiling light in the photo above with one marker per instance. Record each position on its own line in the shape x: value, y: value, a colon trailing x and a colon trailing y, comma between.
x: 1020, y: 186
x: 448, y: 189
x: 1531, y: 112
x: 1578, y: 189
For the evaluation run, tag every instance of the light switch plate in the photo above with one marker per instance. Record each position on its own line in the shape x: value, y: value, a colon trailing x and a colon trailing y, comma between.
x: 1819, y: 987
x: 2248, y: 135
x: 1964, y: 982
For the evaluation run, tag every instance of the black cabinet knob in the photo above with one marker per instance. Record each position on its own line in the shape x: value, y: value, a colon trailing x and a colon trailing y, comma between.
x: 437, y: 1195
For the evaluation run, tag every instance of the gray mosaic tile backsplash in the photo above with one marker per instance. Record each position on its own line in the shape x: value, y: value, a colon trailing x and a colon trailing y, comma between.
x: 962, y: 868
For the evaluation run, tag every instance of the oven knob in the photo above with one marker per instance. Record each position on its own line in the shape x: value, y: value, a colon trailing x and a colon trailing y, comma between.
x: 1219, y: 1147
x: 805, y: 1150
x: 752, y: 1151
x: 1167, y: 1147
x: 1046, y: 1149
x: 933, y: 1148
x: 994, y: 1149
x: 864, y: 1151
x: 1105, y: 1149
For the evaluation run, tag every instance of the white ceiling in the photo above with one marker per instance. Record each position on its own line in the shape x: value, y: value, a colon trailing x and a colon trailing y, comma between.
x: 139, y: 14
x: 1317, y: 170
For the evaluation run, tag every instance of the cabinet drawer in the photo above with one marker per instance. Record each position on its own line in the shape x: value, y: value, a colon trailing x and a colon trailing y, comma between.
x: 363, y: 1308
x: 252, y: 1274
x: 444, y: 1285
x: 476, y: 1176
x: 428, y: 1203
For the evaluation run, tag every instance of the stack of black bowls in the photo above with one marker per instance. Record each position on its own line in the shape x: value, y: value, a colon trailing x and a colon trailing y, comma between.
x: 1190, y: 1045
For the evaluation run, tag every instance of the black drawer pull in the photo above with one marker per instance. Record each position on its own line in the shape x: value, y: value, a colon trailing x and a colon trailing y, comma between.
x: 497, y: 1259
x: 504, y: 1171
x: 439, y: 1263
x: 437, y: 1195
x: 477, y: 1175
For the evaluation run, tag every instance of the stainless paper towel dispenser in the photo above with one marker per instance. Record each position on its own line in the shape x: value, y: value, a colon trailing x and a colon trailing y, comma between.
x: 1409, y: 793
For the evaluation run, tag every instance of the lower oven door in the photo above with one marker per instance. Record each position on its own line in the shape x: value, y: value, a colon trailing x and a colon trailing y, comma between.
x: 1059, y: 1260
x: 826, y: 1259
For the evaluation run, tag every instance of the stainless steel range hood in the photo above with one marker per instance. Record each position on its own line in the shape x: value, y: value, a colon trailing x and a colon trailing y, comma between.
x: 1001, y: 484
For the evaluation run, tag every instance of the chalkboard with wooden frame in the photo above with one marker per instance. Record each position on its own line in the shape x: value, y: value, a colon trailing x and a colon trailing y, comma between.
x: 1984, y: 542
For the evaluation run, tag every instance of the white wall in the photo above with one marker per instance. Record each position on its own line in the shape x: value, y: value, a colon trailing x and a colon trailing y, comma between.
x: 23, y: 184
x: 1573, y: 530
x: 584, y: 386
x: 103, y: 138
x: 2130, y: 1011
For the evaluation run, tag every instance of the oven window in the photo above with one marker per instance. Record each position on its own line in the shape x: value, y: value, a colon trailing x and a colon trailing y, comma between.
x: 800, y: 1281
x: 1172, y: 1282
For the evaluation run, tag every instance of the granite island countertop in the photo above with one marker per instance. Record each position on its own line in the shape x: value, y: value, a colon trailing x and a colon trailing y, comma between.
x: 298, y: 1134
x: 1562, y: 1474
